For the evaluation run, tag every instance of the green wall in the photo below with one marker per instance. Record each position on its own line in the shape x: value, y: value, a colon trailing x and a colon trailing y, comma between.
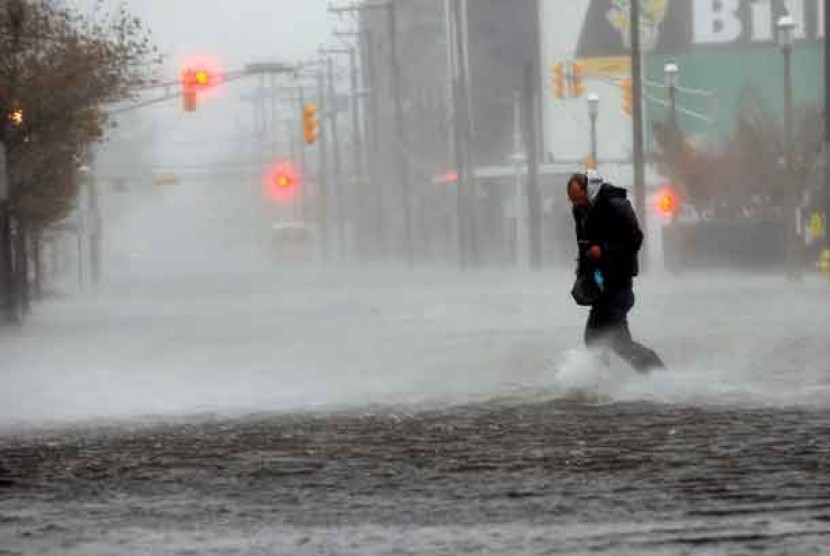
x: 729, y: 71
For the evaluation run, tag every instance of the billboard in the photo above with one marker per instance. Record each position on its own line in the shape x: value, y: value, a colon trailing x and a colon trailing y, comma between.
x: 678, y: 26
x: 725, y: 49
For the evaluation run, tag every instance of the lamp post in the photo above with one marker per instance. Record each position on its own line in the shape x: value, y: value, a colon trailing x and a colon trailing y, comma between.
x: 786, y: 38
x: 672, y: 74
x: 593, y: 112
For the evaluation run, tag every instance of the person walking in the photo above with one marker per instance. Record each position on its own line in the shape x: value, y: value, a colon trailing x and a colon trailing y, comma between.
x: 609, y: 239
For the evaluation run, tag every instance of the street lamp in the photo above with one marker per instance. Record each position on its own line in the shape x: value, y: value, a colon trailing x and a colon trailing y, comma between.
x: 593, y: 112
x: 672, y: 74
x: 786, y: 38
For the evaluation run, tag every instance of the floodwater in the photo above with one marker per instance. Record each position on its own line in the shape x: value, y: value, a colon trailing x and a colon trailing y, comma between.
x: 428, y: 412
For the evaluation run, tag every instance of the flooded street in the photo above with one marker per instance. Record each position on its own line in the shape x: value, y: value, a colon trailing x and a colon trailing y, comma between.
x: 510, y: 476
x: 316, y: 278
x: 447, y: 415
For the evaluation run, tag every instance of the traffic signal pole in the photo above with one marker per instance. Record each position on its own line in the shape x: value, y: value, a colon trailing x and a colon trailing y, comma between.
x: 322, y: 171
x: 302, y: 211
x: 637, y: 126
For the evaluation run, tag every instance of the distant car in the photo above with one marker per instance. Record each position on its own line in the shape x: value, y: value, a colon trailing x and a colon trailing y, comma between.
x: 293, y: 241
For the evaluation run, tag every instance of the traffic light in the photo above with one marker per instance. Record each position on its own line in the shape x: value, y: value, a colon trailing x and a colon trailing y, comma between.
x: 194, y: 81
x: 628, y: 96
x: 202, y: 78
x: 282, y: 182
x: 559, y: 81
x: 577, y: 79
x: 311, y: 125
x: 667, y: 202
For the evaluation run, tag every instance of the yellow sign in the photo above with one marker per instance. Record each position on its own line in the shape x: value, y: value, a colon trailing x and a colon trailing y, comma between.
x: 607, y: 66
x: 823, y: 264
x: 817, y: 228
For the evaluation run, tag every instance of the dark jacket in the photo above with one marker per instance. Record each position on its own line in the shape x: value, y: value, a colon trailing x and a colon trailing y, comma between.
x: 611, y: 223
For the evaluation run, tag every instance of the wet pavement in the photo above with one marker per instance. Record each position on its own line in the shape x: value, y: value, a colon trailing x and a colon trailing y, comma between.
x: 519, y: 476
x: 427, y: 413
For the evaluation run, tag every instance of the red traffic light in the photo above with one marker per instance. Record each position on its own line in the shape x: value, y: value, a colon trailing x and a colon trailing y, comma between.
x: 282, y: 182
x: 667, y: 202
x: 198, y: 77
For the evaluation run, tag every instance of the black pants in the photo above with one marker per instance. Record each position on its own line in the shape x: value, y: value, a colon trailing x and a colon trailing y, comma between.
x: 608, y: 327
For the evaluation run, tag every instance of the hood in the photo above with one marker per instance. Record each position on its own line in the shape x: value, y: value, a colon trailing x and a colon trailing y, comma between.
x: 595, y: 183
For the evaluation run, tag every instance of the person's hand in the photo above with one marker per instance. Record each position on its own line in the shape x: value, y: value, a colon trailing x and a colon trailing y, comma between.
x: 595, y: 253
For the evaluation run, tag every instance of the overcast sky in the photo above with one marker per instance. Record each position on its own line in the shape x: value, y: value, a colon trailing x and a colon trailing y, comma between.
x: 245, y: 31
x: 233, y: 34
x: 236, y: 32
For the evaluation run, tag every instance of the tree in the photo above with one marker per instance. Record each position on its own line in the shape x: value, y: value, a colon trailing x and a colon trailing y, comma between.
x: 751, y: 170
x: 59, y: 70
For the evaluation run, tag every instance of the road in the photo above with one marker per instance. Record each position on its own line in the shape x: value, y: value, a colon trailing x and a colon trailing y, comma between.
x: 265, y: 410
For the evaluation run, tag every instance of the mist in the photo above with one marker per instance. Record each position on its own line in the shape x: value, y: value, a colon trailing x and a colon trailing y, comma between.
x: 414, y: 276
x: 199, y: 310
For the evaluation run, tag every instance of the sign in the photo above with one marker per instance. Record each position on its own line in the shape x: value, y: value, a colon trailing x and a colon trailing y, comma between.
x: 728, y: 48
x: 823, y: 263
x: 815, y: 228
x: 673, y: 26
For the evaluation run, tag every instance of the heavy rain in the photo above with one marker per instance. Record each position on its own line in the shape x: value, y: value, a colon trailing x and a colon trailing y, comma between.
x: 414, y: 277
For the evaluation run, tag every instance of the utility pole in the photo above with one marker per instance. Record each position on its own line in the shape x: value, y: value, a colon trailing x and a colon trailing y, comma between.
x: 368, y: 142
x: 360, y: 140
x: 303, y: 163
x: 322, y: 171
x: 519, y: 160
x: 337, y: 169
x: 274, y: 142
x: 373, y: 193
x: 372, y: 142
x: 459, y: 135
x: 403, y: 161
x: 534, y: 197
x: 357, y: 201
x: 637, y: 127
x: 827, y: 126
x: 357, y: 174
x: 467, y: 231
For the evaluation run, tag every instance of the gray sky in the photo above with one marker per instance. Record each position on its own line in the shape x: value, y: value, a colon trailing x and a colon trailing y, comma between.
x: 233, y: 34
x: 244, y: 31
x: 236, y: 32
